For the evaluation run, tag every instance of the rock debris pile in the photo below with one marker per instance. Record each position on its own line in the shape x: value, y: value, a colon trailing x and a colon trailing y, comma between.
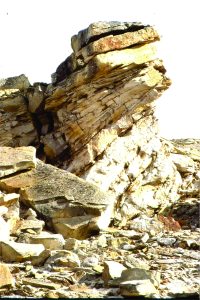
x: 93, y: 202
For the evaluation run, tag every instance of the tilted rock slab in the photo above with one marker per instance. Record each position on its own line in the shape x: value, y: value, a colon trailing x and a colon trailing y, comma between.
x: 58, y: 195
x: 112, y: 73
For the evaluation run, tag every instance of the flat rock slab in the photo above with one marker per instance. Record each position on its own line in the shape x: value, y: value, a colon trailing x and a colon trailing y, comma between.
x: 55, y: 193
x: 97, y: 29
x: 118, y: 42
x: 17, y: 159
x: 40, y: 284
x: 19, y: 252
x: 49, y: 240
x: 51, y: 190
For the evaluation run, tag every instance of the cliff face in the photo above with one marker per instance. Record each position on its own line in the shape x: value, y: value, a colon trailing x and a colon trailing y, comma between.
x: 96, y: 120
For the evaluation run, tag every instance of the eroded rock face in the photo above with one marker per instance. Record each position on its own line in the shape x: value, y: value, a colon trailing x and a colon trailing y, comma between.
x: 96, y: 122
x: 16, y: 125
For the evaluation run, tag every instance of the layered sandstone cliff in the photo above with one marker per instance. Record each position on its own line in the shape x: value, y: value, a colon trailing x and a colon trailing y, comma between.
x: 97, y: 121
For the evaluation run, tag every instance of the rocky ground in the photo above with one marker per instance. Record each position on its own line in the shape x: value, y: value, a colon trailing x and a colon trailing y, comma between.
x: 93, y: 202
x: 145, y: 258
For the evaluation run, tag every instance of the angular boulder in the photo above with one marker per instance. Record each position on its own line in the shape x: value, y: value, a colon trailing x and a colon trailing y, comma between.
x: 56, y: 194
x: 17, y: 159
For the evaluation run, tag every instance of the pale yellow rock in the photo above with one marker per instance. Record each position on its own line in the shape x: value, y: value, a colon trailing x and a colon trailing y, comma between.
x: 19, y: 252
x: 49, y: 240
x: 16, y: 159
x: 80, y: 227
x: 6, y: 278
x: 183, y: 163
x: 63, y: 258
x: 138, y: 288
x: 135, y: 56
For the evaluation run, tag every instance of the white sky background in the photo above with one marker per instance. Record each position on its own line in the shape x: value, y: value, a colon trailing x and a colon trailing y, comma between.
x: 35, y: 39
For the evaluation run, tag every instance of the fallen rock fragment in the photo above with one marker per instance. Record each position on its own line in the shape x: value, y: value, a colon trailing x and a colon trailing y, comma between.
x: 35, y: 226
x: 40, y: 284
x: 16, y: 159
x: 62, y: 258
x: 6, y: 278
x: 71, y: 198
x: 112, y: 270
x: 19, y: 252
x: 49, y: 240
x: 138, y: 288
x: 179, y: 288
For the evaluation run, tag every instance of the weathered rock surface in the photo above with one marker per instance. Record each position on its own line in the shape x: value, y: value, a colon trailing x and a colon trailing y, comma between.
x: 6, y: 279
x: 18, y: 252
x: 60, y: 197
x: 16, y: 125
x: 16, y: 159
x: 96, y: 120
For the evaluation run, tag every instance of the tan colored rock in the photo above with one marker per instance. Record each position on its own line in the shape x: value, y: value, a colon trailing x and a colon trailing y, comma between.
x: 70, y: 197
x: 13, y: 160
x: 6, y: 278
x: 35, y: 97
x: 63, y: 258
x: 41, y: 284
x: 80, y: 227
x: 19, y: 252
x: 138, y: 288
x: 16, y: 125
x: 118, y: 42
x: 49, y: 240
x: 19, y: 83
x: 96, y: 29
x: 26, y: 225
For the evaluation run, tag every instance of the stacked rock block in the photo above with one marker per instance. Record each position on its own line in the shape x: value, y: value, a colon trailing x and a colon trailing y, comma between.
x: 112, y: 73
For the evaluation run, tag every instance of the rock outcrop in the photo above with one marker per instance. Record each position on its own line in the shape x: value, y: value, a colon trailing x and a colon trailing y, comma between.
x: 84, y: 153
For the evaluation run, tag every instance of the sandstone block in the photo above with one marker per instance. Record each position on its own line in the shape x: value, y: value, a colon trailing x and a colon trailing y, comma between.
x: 16, y: 125
x: 63, y: 258
x: 138, y: 288
x: 97, y: 29
x: 19, y: 252
x: 69, y: 197
x: 6, y: 278
x: 13, y: 160
x: 49, y: 240
x: 117, y: 42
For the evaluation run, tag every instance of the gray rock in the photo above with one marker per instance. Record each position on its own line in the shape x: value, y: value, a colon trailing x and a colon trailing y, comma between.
x: 90, y: 261
x: 20, y: 82
x: 166, y: 241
